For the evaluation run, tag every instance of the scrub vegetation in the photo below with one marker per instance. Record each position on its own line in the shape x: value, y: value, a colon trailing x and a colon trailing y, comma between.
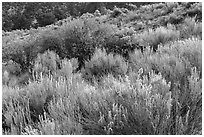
x: 122, y: 70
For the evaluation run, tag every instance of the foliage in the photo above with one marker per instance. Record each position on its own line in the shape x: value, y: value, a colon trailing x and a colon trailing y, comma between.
x: 191, y: 28
x: 45, y: 19
x: 145, y: 103
x: 47, y: 63
x: 174, y: 60
x: 153, y: 38
x: 22, y: 15
x: 190, y: 51
x: 102, y: 64
x: 107, y: 69
x: 21, y: 51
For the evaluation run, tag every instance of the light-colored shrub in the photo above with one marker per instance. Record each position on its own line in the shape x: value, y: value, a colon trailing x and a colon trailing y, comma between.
x: 102, y: 64
x: 153, y: 38
x: 191, y: 28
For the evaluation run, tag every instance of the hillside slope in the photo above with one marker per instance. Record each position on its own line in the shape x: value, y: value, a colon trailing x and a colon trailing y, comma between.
x: 118, y: 71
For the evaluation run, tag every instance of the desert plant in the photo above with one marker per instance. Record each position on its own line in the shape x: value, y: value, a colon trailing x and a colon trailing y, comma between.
x: 47, y: 63
x: 46, y: 19
x: 144, y: 104
x: 16, y: 113
x: 126, y: 72
x: 102, y: 64
x: 153, y: 38
x: 191, y: 28
x: 188, y: 50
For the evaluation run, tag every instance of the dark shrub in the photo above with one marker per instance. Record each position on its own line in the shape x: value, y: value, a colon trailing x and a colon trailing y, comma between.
x: 116, y: 12
x: 46, y: 19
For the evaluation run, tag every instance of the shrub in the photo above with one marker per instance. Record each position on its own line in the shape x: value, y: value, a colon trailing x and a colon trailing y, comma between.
x: 195, y: 10
x: 121, y: 105
x: 138, y: 60
x: 29, y: 130
x: 132, y: 16
x: 5, y: 77
x: 40, y: 92
x: 189, y: 50
x: 69, y: 66
x: 102, y: 64
x: 82, y: 36
x: 171, y: 67
x: 52, y: 40
x: 9, y: 72
x: 14, y: 51
x: 12, y: 67
x: 143, y: 102
x: 21, y: 51
x: 191, y: 28
x: 15, y: 110
x: 46, y: 19
x: 157, y: 96
x: 62, y: 126
x: 63, y: 112
x: 78, y: 42
x: 13, y: 80
x: 175, y: 19
x: 186, y: 107
x: 21, y: 22
x: 195, y: 84
x: 156, y: 92
x: 159, y: 36
x: 58, y: 13
x: 116, y: 12
x: 22, y: 107
x: 47, y: 63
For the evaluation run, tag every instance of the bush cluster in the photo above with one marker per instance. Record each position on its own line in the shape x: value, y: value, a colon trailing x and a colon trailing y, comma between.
x: 66, y: 107
x: 113, y: 72
x: 153, y: 38
x: 174, y: 60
